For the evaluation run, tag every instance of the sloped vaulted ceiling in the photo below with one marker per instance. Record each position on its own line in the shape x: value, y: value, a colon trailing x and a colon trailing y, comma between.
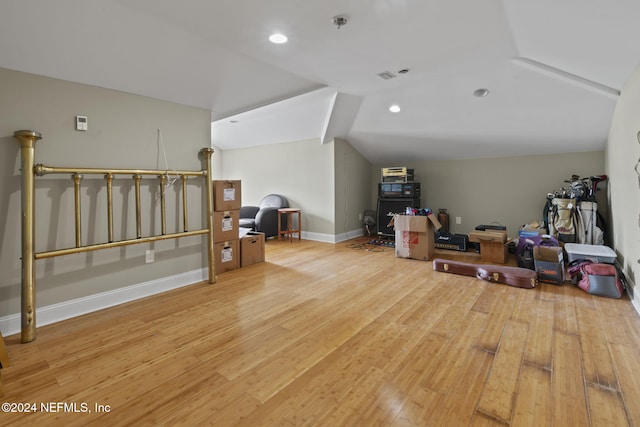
x: 553, y: 68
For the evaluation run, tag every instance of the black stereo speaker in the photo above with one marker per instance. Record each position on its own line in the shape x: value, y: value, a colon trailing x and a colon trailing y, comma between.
x: 389, y: 207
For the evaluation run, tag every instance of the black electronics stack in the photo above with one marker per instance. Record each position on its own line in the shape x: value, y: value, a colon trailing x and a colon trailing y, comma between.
x: 396, y: 192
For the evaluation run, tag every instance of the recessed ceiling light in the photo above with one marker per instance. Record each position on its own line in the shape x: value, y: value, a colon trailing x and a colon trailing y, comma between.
x: 278, y: 38
x: 481, y: 92
x: 394, y: 108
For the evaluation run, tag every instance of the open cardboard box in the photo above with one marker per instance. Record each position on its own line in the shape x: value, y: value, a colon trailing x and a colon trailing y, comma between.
x: 414, y: 235
x: 549, y: 264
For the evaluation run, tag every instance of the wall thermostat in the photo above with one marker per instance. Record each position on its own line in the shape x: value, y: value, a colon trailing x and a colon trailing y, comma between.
x: 81, y: 123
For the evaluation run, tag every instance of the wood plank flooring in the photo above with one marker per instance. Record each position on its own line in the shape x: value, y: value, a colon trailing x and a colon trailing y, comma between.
x: 331, y: 335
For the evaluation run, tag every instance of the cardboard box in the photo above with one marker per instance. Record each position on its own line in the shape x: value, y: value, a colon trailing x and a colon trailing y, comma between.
x: 434, y: 220
x: 227, y: 195
x: 225, y: 225
x: 414, y: 236
x: 226, y: 256
x: 252, y: 248
x: 498, y: 236
x: 549, y: 264
x: 493, y: 245
x: 494, y: 252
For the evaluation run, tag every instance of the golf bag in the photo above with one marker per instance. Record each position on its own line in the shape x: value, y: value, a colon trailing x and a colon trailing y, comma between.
x: 588, y: 231
x: 571, y: 214
x: 563, y: 219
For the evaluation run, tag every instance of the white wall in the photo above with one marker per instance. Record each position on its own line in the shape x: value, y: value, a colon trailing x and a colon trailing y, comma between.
x: 352, y: 190
x: 216, y: 162
x: 329, y: 182
x: 302, y: 171
x: 123, y: 133
x: 622, y: 154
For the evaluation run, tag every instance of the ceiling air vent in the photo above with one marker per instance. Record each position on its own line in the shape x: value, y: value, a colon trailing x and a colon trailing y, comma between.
x: 386, y: 75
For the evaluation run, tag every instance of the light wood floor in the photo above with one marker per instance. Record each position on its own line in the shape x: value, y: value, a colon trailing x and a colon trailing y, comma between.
x: 328, y: 335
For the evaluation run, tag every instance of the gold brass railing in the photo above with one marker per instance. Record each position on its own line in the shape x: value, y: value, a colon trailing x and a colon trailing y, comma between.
x: 27, y: 140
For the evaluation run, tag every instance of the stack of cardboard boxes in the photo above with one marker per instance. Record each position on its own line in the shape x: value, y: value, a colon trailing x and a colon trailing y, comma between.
x: 226, y: 206
x: 231, y: 251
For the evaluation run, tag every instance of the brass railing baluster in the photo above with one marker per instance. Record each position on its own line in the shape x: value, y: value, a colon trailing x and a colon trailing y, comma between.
x: 77, y: 178
x: 137, y: 178
x: 27, y: 140
x: 109, y: 178
x: 163, y: 221
x: 185, y: 227
x: 207, y: 153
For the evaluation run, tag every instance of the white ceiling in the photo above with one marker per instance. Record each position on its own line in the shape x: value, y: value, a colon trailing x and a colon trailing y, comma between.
x: 553, y: 68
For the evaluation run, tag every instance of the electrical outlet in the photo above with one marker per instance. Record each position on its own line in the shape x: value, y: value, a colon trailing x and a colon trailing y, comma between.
x: 360, y: 217
x: 458, y: 220
x: 150, y: 256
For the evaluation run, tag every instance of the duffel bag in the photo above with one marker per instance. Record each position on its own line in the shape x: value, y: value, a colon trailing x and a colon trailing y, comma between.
x: 601, y: 280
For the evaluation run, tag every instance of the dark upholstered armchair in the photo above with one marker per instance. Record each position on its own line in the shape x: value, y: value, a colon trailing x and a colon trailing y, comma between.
x: 263, y: 218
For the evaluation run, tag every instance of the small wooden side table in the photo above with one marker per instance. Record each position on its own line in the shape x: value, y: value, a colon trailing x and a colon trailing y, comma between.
x: 289, y: 212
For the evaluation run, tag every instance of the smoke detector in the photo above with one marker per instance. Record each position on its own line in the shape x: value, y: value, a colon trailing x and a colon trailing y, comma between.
x: 340, y: 20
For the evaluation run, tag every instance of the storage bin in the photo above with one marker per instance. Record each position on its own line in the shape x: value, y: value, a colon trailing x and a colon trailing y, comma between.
x: 595, y: 253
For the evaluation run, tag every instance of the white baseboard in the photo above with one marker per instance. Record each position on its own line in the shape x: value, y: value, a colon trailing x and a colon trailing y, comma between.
x: 630, y: 289
x: 11, y: 324
x: 349, y: 235
x: 636, y: 305
x: 332, y: 238
x: 318, y: 237
x: 632, y: 295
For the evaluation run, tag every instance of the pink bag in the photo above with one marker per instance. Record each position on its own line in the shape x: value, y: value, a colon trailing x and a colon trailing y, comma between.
x: 601, y: 280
